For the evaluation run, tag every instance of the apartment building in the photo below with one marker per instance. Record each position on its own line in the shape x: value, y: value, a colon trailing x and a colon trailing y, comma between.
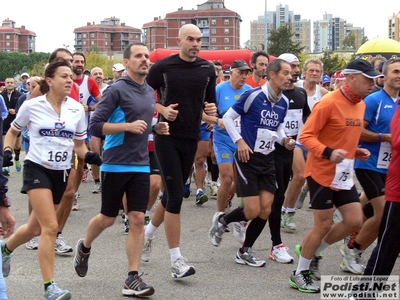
x: 108, y: 37
x: 16, y: 39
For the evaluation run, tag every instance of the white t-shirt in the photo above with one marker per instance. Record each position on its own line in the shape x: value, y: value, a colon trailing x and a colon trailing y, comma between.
x: 51, y: 137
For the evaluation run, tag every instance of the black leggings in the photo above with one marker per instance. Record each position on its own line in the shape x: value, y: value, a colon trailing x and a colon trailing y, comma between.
x: 175, y: 157
x: 283, y: 168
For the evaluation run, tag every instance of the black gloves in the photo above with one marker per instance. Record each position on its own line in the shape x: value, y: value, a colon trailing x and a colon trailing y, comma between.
x: 92, y: 158
x: 7, y: 158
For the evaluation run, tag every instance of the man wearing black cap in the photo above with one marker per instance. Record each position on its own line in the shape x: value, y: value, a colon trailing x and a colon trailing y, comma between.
x: 331, y: 135
x: 228, y: 93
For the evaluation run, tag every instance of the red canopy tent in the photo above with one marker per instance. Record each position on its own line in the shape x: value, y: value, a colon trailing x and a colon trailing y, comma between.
x: 226, y: 57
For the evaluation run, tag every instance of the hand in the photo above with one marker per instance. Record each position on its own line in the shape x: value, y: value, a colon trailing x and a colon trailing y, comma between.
x: 93, y: 158
x: 162, y: 128
x: 85, y: 107
x: 7, y: 158
x: 362, y: 154
x: 7, y: 222
x: 170, y: 113
x: 210, y: 109
x: 138, y: 127
x: 11, y: 111
x: 243, y: 151
x: 338, y: 155
x: 289, y: 143
x: 209, y: 127
x: 221, y: 124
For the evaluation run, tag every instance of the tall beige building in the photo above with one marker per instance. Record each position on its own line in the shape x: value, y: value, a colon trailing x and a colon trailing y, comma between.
x: 394, y: 27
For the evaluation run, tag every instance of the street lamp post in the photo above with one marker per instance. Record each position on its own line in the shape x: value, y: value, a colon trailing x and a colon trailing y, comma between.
x: 265, y: 28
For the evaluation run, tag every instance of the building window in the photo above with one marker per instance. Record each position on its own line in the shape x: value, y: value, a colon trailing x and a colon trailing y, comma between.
x: 92, y: 35
x: 106, y: 35
x: 106, y: 43
x: 213, y: 40
x: 8, y: 44
x: 84, y: 42
x: 213, y: 22
x: 84, y: 35
x: 226, y: 21
x: 226, y: 31
x: 226, y: 40
x: 183, y: 23
x: 92, y: 42
x: 213, y: 30
x: 7, y: 36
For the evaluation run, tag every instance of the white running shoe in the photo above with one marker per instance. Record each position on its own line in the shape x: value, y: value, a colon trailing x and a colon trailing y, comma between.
x: 33, y: 244
x: 217, y: 230
x: 352, y: 260
x: 180, y: 269
x: 239, y: 231
x: 279, y: 253
x: 61, y: 246
x: 248, y: 258
x: 214, y: 189
x: 300, y: 200
x: 147, y: 248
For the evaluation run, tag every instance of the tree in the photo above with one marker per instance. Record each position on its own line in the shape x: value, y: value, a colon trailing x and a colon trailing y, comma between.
x: 333, y: 62
x: 349, y: 42
x: 281, y: 40
x: 14, y: 63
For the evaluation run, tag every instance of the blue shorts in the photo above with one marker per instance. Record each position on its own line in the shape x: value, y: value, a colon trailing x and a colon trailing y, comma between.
x: 205, y: 134
x: 224, y: 152
x: 305, y: 151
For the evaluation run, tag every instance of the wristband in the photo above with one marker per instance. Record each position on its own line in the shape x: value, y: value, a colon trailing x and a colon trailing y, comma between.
x: 153, y: 129
x: 216, y: 121
x: 5, y: 202
x: 380, y: 137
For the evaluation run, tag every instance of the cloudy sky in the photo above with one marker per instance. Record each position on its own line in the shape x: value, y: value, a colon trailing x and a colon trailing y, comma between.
x: 54, y: 21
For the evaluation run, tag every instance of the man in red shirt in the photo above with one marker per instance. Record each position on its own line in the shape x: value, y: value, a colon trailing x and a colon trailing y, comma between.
x: 259, y: 61
x: 89, y: 96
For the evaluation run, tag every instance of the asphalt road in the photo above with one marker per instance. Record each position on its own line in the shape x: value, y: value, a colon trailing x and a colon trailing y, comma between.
x: 217, y: 275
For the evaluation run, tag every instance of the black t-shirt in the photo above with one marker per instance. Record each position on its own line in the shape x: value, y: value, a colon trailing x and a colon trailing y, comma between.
x: 297, y: 100
x: 189, y: 84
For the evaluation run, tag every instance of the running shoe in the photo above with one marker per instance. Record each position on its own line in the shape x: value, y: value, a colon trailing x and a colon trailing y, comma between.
x: 300, y: 200
x: 18, y: 166
x: 61, y: 247
x: 239, y: 231
x: 201, y: 197
x: 352, y: 260
x: 248, y: 258
x: 289, y: 221
x: 303, y: 282
x: 279, y: 253
x: 214, y: 189
x: 75, y: 205
x: 33, y: 244
x: 53, y: 292
x: 217, y: 230
x: 147, y: 248
x: 81, y: 260
x: 96, y: 188
x: 85, y: 175
x: 134, y: 286
x: 6, y: 171
x: 314, y: 265
x: 6, y: 260
x: 126, y: 224
x: 186, y: 188
x: 180, y: 269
